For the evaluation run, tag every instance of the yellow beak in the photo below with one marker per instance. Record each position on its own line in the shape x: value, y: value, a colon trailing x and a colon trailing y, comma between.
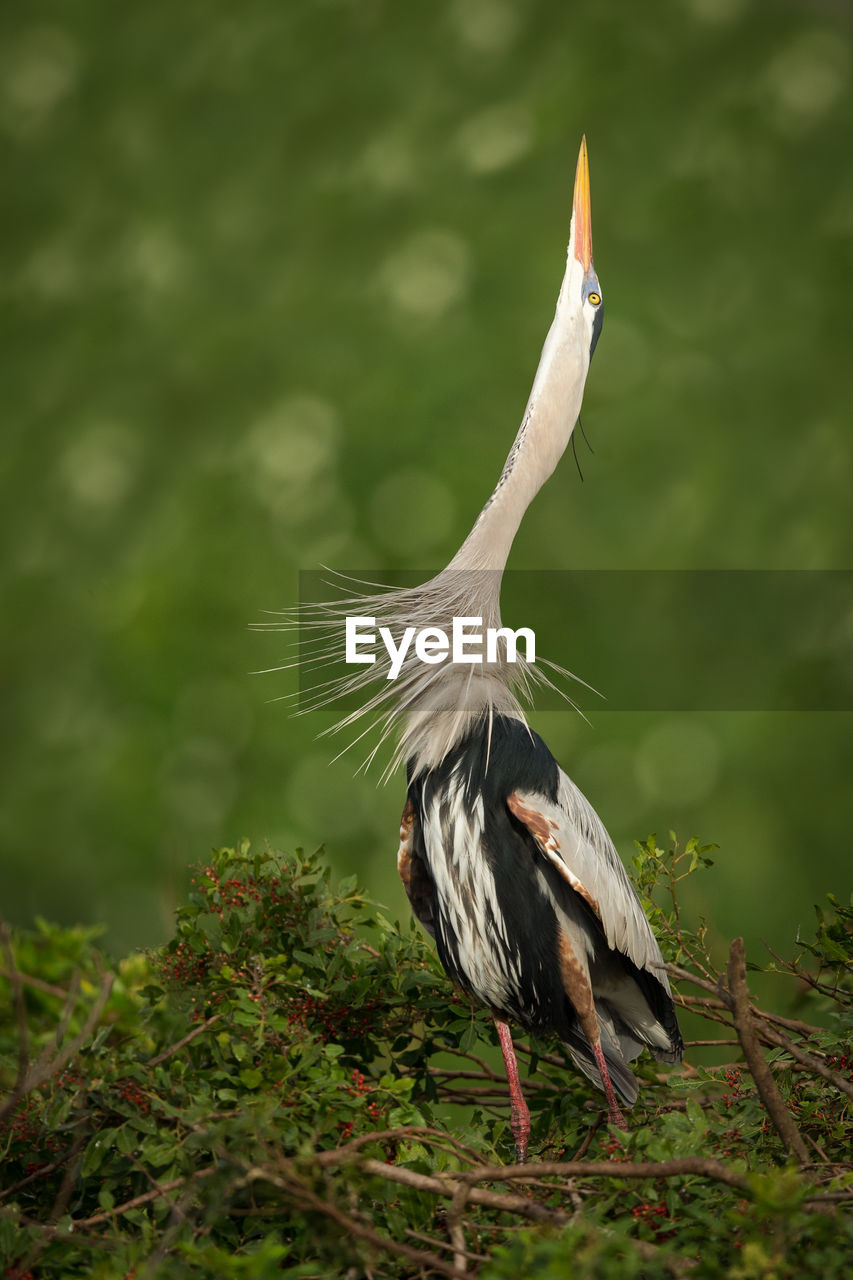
x: 581, y: 212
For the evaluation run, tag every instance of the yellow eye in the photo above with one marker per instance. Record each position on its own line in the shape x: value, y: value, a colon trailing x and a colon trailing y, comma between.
x: 594, y: 298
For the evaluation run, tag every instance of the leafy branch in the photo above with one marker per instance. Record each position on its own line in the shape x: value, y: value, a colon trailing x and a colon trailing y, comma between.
x: 293, y: 1059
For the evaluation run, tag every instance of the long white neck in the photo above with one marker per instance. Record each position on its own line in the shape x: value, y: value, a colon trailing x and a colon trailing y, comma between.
x: 431, y: 706
x: 546, y: 428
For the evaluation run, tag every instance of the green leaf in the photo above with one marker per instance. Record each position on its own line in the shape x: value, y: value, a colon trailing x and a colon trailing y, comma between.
x: 99, y: 1147
x: 470, y: 1037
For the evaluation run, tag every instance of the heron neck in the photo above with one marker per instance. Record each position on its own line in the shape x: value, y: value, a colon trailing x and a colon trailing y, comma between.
x: 545, y: 431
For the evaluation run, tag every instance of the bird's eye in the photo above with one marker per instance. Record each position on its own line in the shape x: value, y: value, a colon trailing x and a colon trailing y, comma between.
x: 594, y: 298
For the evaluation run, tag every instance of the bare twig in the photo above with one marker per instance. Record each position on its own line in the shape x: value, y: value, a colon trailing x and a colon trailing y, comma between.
x: 66, y: 1187
x: 42, y: 1171
x: 442, y: 1244
x: 710, y: 1044
x: 454, y: 1226
x: 555, y: 1059
x: 306, y: 1198
x: 686, y: 1166
x: 809, y: 1061
x: 715, y: 988
x: 792, y: 1024
x: 761, y: 1073
x: 50, y: 1063
x: 137, y: 1202
x: 38, y: 984
x: 177, y: 1219
x: 590, y: 1134
x: 184, y: 1041
x: 446, y: 1187
x: 405, y: 1133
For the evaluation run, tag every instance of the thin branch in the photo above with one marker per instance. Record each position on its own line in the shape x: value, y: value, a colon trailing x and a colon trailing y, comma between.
x: 43, y: 1171
x: 454, y: 1226
x: 710, y: 1044
x: 761, y: 1073
x: 60, y: 1204
x: 686, y: 976
x: 442, y: 1244
x: 71, y: 997
x: 145, y: 1198
x: 63, y: 1195
x: 793, y: 1024
x: 309, y: 1199
x: 47, y: 1065
x: 182, y: 1043
x: 417, y: 1133
x: 178, y: 1217
x: 810, y: 1061
x: 686, y: 1166
x: 591, y: 1132
x: 555, y: 1059
x: 714, y: 1009
x: 28, y: 980
x: 478, y: 1195
x: 494, y: 1078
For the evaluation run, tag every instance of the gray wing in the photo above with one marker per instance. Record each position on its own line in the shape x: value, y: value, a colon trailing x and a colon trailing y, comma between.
x: 573, y: 838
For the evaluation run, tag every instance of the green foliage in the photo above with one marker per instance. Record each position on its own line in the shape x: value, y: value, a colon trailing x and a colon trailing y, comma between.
x: 290, y: 1087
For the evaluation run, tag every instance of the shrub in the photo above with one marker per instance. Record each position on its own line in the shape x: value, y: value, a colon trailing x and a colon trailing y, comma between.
x: 291, y: 1088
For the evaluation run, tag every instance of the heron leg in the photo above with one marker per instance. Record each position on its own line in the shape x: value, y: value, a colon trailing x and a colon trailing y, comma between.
x: 578, y: 988
x: 616, y: 1117
x: 520, y: 1121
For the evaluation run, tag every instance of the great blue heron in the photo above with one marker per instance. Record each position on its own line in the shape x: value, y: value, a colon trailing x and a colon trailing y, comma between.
x: 504, y: 861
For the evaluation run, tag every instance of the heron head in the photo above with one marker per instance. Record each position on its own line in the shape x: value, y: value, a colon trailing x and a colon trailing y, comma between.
x: 582, y: 282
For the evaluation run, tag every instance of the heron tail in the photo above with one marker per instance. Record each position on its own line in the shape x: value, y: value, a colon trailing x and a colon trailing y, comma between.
x: 621, y: 1075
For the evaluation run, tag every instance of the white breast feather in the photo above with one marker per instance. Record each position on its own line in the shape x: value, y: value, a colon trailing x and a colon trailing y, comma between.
x: 466, y: 894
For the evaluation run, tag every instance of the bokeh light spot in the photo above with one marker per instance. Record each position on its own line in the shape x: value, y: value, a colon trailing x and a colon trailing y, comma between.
x: 805, y: 80
x: 497, y: 138
x: 98, y: 468
x: 716, y: 13
x: 39, y: 72
x: 155, y: 259
x: 427, y: 274
x: 295, y: 440
x: 486, y: 26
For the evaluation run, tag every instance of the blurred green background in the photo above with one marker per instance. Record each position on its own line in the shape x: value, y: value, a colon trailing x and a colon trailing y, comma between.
x: 275, y: 280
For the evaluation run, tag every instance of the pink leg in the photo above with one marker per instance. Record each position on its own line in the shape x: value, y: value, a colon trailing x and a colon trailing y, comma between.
x: 616, y: 1116
x: 520, y: 1122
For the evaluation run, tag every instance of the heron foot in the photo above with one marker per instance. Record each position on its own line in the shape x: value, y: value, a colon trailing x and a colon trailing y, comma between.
x: 520, y: 1126
x: 613, y: 1109
x: 616, y: 1117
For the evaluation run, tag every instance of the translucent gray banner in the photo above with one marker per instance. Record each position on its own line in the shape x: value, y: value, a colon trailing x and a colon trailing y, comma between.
x: 662, y: 640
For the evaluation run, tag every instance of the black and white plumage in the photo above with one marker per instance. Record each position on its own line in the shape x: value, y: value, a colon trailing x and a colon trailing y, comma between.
x: 510, y: 869
x: 504, y: 861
